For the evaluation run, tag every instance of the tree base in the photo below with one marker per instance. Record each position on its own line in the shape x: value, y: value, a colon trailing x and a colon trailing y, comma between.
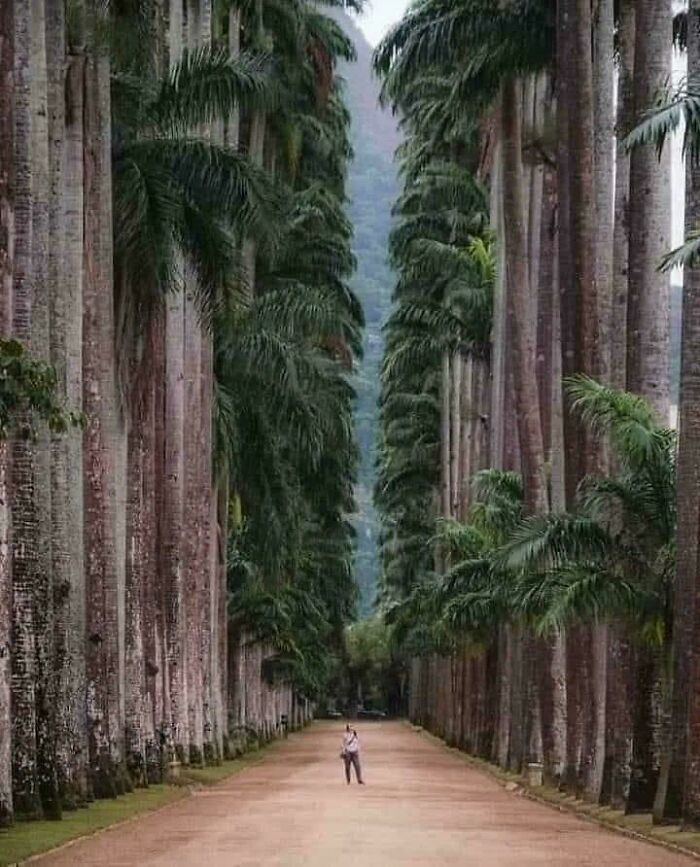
x: 136, y: 769
x: 196, y: 757
x: 211, y: 753
x: 155, y: 770
x: 642, y: 792
x: 73, y: 798
x: 104, y: 778
x: 6, y: 816
x: 27, y: 808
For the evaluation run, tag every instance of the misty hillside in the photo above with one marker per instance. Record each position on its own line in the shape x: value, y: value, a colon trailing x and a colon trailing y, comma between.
x: 373, y: 188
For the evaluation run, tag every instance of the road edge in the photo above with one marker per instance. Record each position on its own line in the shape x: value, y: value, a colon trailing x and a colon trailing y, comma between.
x: 584, y: 810
x: 185, y: 790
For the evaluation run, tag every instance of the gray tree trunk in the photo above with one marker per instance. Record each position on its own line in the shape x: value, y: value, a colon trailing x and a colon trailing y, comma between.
x: 619, y: 721
x: 520, y: 305
x: 604, y: 145
x: 455, y: 434
x: 43, y: 585
x: 648, y: 324
x: 7, y: 41
x: 24, y: 553
x: 172, y: 562
x: 73, y: 747
x: 61, y: 483
x: 193, y: 572
x: 681, y: 760
x: 650, y: 215
x: 445, y: 481
x: 99, y: 403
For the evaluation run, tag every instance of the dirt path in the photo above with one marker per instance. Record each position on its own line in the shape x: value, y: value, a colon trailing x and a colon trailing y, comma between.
x: 421, y: 806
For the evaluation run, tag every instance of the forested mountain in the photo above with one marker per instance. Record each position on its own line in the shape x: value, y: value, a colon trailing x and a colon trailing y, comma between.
x: 372, y: 186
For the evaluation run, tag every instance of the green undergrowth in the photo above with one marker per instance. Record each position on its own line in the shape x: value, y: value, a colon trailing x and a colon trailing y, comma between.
x: 25, y: 839
x: 638, y: 825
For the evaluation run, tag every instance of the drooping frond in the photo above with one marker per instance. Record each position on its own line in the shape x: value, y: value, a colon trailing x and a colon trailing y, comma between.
x: 674, y: 109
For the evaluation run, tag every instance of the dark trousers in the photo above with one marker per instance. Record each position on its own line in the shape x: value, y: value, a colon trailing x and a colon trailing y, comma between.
x: 354, y: 760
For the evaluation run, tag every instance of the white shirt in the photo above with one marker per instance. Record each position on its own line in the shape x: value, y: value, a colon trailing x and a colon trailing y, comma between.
x: 351, y: 743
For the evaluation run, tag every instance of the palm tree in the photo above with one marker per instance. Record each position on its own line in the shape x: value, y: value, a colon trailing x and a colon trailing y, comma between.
x: 642, y: 499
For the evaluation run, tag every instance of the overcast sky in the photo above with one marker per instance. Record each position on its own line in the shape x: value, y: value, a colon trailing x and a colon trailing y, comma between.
x: 379, y: 16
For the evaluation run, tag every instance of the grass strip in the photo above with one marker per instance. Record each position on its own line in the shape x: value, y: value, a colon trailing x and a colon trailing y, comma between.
x: 26, y: 839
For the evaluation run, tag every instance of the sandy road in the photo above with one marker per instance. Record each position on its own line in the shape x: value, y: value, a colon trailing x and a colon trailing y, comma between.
x: 421, y: 806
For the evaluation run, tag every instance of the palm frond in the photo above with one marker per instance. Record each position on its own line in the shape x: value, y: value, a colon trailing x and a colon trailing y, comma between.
x: 207, y: 85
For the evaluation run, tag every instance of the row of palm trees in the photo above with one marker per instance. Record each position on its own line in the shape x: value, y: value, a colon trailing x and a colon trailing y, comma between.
x: 539, y: 517
x: 178, y: 335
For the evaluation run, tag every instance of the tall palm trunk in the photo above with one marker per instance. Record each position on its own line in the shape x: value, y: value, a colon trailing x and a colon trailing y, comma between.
x: 73, y: 746
x: 604, y: 152
x: 620, y: 672
x: 579, y: 321
x: 470, y: 415
x: 520, y: 304
x: 256, y: 154
x: 650, y: 208
x: 231, y: 652
x: 172, y: 564
x: 621, y: 232
x: 521, y: 319
x: 233, y: 127
x: 220, y: 512
x: 43, y: 589
x: 99, y: 403
x: 155, y: 590
x: 679, y: 787
x: 211, y: 695
x: 7, y: 40
x: 648, y: 323
x: 498, y: 335
x: 172, y: 516
x: 445, y: 479
x: 24, y: 552
x: 546, y: 286
x: 455, y: 433
x: 580, y: 106
x: 137, y: 491
x: 61, y: 564
x: 194, y: 578
x: 555, y: 761
x: 603, y: 114
x: 551, y: 669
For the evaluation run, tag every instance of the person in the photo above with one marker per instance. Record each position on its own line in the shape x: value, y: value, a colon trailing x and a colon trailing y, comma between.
x: 351, y: 755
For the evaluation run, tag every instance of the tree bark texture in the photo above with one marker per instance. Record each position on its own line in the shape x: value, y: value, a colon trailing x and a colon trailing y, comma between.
x: 680, y: 782
x: 99, y: 403
x: 650, y: 214
x: 24, y: 553
x: 7, y: 42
